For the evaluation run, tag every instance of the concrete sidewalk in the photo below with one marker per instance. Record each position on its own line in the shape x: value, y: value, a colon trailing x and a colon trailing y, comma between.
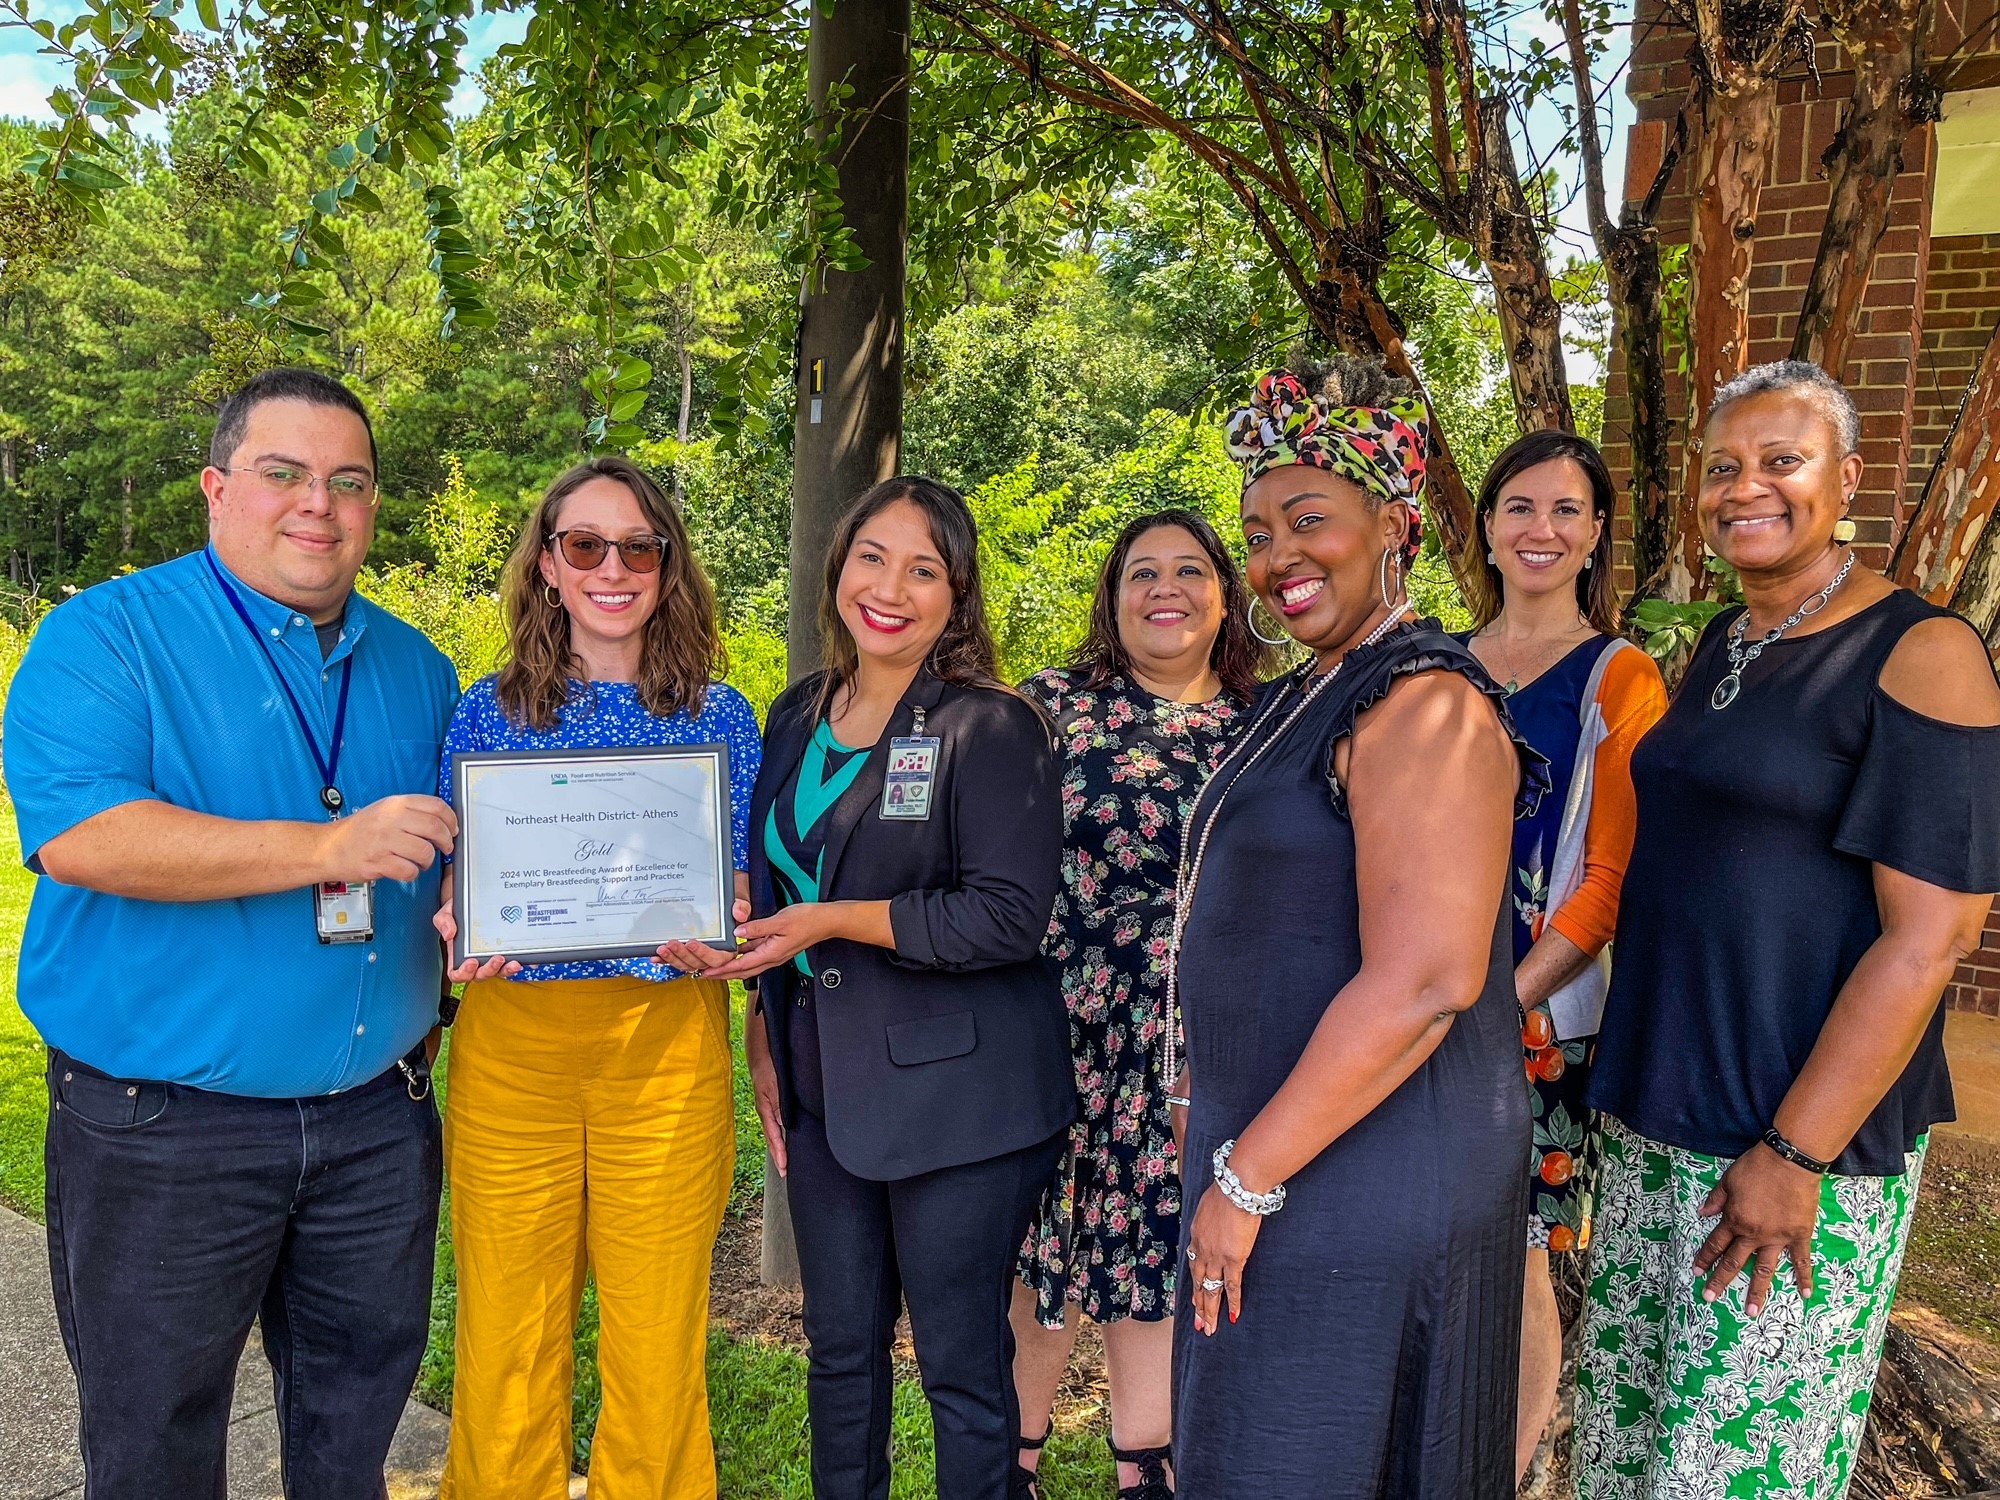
x: 1972, y: 1043
x: 38, y: 1452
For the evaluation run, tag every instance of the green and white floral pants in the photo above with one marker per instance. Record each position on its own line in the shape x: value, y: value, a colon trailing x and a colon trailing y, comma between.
x: 1680, y: 1399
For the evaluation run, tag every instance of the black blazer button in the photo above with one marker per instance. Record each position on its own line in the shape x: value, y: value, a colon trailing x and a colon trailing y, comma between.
x: 829, y: 979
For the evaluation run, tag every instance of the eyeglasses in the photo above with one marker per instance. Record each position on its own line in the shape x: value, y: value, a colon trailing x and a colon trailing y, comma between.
x: 290, y: 479
x: 584, y: 550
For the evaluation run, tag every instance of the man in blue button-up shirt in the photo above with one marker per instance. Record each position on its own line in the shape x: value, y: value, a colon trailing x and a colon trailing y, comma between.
x: 236, y: 986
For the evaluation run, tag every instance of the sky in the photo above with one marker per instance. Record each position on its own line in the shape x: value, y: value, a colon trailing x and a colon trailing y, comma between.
x: 26, y: 79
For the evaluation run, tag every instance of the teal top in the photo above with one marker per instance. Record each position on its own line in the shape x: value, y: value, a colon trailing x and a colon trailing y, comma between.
x: 795, y: 828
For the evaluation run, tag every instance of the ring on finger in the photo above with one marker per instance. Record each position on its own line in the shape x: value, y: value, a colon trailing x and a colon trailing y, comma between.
x: 1211, y: 1284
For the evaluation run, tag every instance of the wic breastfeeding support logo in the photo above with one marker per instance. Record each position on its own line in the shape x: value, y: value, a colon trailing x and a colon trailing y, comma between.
x: 510, y: 913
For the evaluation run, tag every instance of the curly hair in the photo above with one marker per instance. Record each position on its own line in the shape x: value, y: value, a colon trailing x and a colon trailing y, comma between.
x: 1237, y: 656
x: 682, y: 651
x: 1347, y: 379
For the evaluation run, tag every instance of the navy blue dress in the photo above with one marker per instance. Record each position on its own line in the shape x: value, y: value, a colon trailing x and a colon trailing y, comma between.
x: 1378, y: 1351
x: 1549, y: 714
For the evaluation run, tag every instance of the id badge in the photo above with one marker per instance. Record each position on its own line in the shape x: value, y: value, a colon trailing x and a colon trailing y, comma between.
x: 344, y: 912
x: 906, y: 789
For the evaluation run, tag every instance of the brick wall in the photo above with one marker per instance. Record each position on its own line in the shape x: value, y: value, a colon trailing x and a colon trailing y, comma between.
x: 1961, y: 307
x: 1976, y: 986
x: 1886, y: 348
x: 1929, y: 308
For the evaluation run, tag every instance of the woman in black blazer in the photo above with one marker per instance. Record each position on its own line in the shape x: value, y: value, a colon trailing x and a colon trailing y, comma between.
x: 912, y: 1064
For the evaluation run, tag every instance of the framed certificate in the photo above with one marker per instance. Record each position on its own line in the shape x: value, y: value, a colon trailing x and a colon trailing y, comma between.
x: 576, y: 854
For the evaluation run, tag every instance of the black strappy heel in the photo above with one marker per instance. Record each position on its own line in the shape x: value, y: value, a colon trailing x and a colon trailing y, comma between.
x: 1152, y: 1464
x: 1027, y: 1483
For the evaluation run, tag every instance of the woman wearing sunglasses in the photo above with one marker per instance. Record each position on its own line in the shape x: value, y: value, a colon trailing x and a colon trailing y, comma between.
x: 590, y: 1105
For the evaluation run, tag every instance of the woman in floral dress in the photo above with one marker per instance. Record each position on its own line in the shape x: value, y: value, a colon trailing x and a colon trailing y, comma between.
x: 1144, y: 712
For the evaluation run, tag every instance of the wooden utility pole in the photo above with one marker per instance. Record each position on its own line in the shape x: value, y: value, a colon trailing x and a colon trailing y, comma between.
x: 848, y: 431
x: 848, y: 428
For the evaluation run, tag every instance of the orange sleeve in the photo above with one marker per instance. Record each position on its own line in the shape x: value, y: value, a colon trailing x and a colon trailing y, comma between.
x: 1632, y: 697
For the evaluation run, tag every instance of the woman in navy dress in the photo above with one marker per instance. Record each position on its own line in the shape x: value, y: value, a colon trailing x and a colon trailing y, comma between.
x: 1351, y: 1308
x: 1583, y: 697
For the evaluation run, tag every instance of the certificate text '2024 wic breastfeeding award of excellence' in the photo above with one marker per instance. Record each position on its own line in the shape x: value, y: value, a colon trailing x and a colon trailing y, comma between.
x: 576, y: 854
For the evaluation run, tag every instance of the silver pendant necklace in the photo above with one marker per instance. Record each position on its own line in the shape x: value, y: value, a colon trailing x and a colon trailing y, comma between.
x: 1740, y: 655
x: 1194, y: 845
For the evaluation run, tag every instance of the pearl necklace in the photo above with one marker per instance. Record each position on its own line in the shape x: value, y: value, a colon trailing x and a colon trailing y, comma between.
x: 1194, y: 846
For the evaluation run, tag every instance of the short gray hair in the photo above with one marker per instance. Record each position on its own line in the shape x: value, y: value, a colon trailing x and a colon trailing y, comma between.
x: 1797, y: 375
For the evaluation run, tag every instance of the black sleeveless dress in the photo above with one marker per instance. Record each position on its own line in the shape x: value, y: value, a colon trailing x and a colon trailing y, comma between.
x: 1379, y: 1347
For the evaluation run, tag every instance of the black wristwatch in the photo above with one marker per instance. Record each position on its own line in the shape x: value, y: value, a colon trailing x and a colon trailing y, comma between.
x: 1794, y: 1155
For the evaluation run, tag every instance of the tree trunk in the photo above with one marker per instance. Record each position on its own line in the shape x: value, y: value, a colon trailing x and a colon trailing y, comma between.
x: 1349, y: 314
x: 848, y: 430
x: 1887, y: 42
x: 1633, y: 269
x: 1934, y: 1422
x: 1977, y: 596
x: 849, y: 424
x: 1630, y: 251
x: 1730, y: 163
x: 1938, y: 547
x: 681, y: 425
x: 1511, y: 247
x: 125, y: 518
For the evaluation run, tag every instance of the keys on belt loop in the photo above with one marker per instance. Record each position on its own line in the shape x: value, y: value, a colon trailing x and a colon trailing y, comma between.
x: 417, y: 1084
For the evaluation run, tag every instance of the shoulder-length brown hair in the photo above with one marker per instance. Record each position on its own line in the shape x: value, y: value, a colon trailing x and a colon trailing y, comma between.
x: 1596, y: 594
x: 964, y: 652
x: 1237, y: 656
x: 682, y: 649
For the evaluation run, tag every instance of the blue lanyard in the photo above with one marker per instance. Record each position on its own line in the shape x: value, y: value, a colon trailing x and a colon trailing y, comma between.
x: 328, y: 764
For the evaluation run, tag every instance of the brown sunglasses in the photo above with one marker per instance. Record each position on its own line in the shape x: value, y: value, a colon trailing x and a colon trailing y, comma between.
x: 584, y: 550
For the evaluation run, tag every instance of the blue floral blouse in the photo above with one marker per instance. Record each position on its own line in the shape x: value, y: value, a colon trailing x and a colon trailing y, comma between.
x: 605, y: 715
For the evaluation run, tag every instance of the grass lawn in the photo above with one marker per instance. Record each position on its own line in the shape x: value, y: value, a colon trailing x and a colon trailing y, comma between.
x: 756, y: 1390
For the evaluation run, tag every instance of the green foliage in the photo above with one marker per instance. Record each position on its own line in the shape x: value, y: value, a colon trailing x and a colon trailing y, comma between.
x: 453, y: 600
x: 756, y: 662
x: 1672, y: 629
x: 1040, y: 549
x: 24, y: 1093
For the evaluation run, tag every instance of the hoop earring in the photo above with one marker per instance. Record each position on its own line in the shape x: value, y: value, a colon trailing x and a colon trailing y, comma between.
x: 550, y: 593
x: 1389, y: 595
x: 1250, y: 619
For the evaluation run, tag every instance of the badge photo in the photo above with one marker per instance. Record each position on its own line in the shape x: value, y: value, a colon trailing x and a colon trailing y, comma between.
x: 906, y: 786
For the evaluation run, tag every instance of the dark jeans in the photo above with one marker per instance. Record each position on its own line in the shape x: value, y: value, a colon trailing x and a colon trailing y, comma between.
x: 946, y: 1241
x: 176, y: 1216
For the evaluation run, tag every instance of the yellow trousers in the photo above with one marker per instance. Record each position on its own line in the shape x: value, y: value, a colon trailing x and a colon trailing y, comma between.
x: 587, y: 1122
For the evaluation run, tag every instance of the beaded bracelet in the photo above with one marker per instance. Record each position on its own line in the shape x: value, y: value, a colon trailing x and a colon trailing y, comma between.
x: 1260, y: 1204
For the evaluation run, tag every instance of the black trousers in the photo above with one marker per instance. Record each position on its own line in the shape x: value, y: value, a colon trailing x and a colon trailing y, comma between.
x: 946, y: 1241
x: 176, y: 1216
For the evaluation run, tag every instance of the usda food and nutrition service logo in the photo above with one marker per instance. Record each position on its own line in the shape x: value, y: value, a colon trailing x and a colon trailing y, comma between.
x: 557, y: 778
